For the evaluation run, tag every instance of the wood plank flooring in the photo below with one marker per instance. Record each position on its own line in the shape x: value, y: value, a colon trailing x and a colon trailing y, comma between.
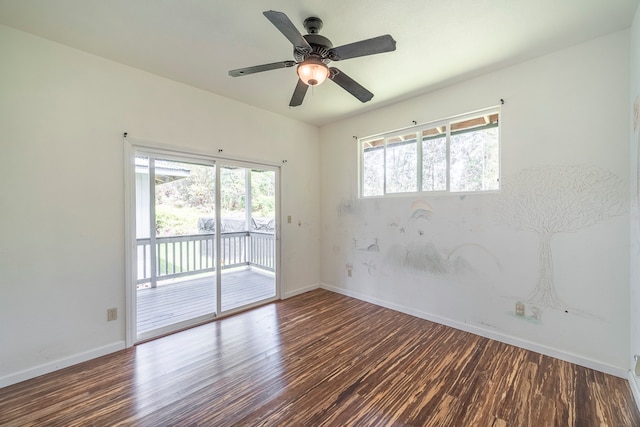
x: 187, y: 298
x: 321, y: 359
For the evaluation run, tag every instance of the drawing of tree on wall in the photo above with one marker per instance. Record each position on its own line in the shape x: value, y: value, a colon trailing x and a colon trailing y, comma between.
x: 558, y: 199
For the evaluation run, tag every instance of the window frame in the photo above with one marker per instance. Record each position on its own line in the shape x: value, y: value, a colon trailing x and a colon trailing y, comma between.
x: 418, y: 130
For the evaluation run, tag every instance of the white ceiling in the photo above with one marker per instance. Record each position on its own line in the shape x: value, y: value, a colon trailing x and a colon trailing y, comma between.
x: 198, y: 41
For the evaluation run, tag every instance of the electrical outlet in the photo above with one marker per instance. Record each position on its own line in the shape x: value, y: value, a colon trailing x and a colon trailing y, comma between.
x: 289, y: 219
x: 112, y: 314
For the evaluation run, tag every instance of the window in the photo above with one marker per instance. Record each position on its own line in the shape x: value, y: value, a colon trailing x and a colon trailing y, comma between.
x: 460, y: 154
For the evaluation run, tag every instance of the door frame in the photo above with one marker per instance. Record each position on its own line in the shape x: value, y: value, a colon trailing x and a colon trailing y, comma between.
x: 134, y: 146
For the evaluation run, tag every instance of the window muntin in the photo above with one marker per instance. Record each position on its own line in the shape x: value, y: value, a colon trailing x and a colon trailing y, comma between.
x: 460, y: 154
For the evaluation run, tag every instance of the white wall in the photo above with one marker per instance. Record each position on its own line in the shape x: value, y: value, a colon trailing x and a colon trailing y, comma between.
x: 62, y: 116
x: 565, y: 119
x: 634, y: 187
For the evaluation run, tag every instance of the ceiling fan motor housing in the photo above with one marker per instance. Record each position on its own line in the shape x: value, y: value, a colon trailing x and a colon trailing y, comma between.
x: 320, y: 46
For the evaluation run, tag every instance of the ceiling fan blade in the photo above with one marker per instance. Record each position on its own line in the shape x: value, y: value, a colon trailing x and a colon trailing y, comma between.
x: 260, y: 68
x: 350, y: 85
x: 372, y: 46
x: 286, y: 27
x: 298, y: 94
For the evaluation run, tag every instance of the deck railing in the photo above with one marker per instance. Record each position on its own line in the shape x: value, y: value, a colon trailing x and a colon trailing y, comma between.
x: 180, y: 256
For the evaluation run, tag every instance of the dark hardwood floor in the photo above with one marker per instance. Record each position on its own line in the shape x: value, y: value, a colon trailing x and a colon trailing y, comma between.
x: 321, y: 359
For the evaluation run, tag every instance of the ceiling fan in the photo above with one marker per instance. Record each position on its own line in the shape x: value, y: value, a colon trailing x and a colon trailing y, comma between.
x: 312, y: 52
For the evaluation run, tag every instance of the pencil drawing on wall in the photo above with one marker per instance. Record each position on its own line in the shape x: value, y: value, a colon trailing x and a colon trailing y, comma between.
x: 549, y: 200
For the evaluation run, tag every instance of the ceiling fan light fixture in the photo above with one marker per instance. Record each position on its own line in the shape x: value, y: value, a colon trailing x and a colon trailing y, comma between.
x: 312, y: 71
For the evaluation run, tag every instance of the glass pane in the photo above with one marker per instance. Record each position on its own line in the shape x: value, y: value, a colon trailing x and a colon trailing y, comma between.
x: 434, y: 159
x: 233, y: 198
x: 185, y: 197
x: 373, y: 168
x: 401, y: 164
x: 263, y: 196
x: 474, y: 154
x: 247, y: 237
x: 178, y: 279
x: 262, y: 241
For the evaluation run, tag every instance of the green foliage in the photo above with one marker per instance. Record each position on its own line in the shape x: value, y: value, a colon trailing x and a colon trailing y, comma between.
x: 232, y: 194
x: 263, y: 192
x: 177, y: 220
x: 182, y: 202
x: 474, y: 160
x: 402, y: 167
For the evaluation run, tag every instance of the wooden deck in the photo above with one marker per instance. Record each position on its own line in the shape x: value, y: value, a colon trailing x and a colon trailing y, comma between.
x: 187, y: 299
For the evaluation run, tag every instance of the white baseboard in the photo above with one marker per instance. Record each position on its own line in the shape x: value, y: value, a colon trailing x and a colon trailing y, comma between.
x: 507, y: 339
x: 635, y: 387
x: 60, y: 364
x: 300, y: 291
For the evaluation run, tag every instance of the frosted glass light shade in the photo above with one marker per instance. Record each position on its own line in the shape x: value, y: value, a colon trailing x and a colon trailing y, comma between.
x: 312, y: 71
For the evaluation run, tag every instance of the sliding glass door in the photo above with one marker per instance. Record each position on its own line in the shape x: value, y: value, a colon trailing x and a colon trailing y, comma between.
x: 205, y: 240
